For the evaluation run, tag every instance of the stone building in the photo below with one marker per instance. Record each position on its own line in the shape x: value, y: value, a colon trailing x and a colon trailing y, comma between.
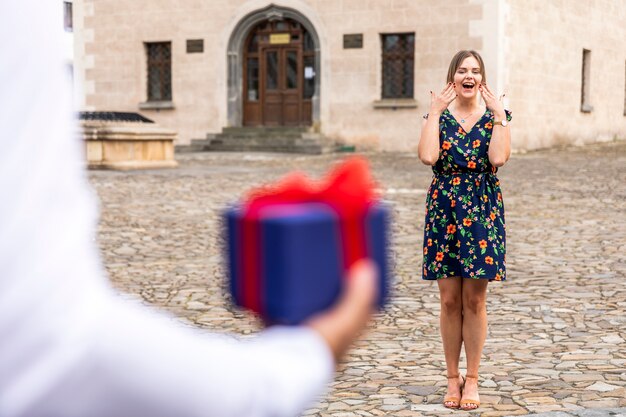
x: 355, y: 71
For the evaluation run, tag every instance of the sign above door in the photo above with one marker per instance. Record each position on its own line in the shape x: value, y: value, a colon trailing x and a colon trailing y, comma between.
x: 280, y: 38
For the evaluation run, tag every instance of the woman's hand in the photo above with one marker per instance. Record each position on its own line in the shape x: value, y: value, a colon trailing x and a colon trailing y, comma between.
x: 492, y: 103
x: 439, y: 103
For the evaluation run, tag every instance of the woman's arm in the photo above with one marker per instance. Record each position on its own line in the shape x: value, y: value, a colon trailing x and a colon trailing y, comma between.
x: 428, y: 147
x: 500, y: 144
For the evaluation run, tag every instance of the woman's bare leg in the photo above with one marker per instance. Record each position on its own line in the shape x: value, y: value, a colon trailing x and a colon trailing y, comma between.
x: 474, y: 332
x: 451, y: 324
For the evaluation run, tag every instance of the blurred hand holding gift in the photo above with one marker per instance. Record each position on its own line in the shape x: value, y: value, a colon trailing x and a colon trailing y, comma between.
x: 98, y: 354
x: 291, y: 244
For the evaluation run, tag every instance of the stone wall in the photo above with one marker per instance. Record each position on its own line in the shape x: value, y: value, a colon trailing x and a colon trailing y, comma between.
x: 532, y: 50
x: 544, y: 60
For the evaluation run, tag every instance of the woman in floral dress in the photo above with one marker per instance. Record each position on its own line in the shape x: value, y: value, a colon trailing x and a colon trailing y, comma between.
x: 465, y: 141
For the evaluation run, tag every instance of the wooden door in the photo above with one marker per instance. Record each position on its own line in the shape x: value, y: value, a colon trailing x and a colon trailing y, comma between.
x: 276, y: 91
x: 271, y: 94
x: 281, y: 90
x: 292, y: 91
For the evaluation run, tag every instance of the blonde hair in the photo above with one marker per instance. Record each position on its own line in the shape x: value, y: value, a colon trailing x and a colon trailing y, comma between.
x: 458, y: 59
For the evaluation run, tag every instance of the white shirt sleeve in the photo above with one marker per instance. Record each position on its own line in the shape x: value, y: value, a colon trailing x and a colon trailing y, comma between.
x: 69, y: 346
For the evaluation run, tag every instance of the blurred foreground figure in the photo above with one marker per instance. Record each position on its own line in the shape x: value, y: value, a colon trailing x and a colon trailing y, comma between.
x: 68, y: 345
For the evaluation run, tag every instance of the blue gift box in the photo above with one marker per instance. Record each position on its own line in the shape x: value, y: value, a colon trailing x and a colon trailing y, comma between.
x: 300, y: 266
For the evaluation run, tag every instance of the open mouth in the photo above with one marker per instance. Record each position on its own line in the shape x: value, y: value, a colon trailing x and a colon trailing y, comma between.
x: 468, y: 86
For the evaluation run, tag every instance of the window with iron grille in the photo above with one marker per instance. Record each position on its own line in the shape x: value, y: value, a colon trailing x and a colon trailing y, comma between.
x: 398, y: 61
x: 67, y: 16
x: 159, y: 71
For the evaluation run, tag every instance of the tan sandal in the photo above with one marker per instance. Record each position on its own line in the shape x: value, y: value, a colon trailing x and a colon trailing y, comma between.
x: 454, y: 400
x: 468, y: 404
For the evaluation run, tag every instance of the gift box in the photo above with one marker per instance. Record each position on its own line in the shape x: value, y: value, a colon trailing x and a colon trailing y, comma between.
x: 290, y: 245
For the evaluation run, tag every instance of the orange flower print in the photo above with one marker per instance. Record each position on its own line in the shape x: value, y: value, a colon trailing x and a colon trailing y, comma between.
x: 460, y: 131
x: 430, y: 242
x: 471, y: 164
x: 453, y: 203
x: 483, y: 244
x: 488, y: 260
x: 467, y: 222
x: 435, y: 193
x: 499, y: 196
x: 488, y: 125
x: 492, y: 216
x: 476, y: 143
x: 498, y: 277
x: 456, y: 181
x: 439, y: 257
x: 451, y: 229
x: 425, y: 250
x: 446, y: 145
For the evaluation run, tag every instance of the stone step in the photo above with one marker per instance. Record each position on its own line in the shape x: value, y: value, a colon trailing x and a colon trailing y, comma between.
x: 254, y: 140
x: 268, y: 135
x: 201, y: 142
x: 196, y: 145
x: 264, y: 130
x: 304, y: 146
x: 303, y: 149
x: 263, y: 139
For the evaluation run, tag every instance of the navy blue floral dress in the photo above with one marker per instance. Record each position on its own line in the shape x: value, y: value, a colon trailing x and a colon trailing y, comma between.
x: 464, y: 232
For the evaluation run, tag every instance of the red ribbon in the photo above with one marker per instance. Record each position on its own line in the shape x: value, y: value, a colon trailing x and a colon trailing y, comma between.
x: 348, y: 190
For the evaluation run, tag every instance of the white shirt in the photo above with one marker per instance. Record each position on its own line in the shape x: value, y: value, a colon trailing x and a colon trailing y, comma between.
x: 69, y: 346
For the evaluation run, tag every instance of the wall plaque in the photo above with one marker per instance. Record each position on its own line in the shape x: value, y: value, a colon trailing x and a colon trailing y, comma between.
x: 280, y: 38
x: 195, y: 46
x: 353, y: 41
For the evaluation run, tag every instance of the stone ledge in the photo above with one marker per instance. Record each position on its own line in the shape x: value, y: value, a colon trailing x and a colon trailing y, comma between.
x: 156, y: 105
x: 395, y: 103
x: 127, y: 145
x: 133, y: 165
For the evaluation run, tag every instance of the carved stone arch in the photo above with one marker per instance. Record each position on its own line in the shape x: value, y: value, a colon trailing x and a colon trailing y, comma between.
x: 235, y: 54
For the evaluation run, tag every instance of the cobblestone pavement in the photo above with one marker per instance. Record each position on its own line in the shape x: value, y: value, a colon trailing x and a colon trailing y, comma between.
x: 557, y: 329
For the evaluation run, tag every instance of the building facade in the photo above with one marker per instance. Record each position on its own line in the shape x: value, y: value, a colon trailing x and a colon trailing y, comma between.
x: 357, y: 71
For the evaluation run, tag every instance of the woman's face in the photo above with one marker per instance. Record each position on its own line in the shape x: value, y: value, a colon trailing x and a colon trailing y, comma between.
x: 467, y: 78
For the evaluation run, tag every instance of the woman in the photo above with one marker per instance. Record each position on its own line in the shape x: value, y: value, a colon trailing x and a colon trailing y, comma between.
x: 464, y: 239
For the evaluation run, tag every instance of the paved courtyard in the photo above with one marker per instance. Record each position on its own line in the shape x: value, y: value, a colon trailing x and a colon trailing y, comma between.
x: 557, y: 332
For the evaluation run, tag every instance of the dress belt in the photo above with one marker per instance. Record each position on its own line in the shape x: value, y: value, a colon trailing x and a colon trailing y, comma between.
x: 447, y: 174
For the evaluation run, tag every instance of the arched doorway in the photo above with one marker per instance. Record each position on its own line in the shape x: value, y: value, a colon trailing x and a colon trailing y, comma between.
x: 274, y: 70
x: 278, y: 75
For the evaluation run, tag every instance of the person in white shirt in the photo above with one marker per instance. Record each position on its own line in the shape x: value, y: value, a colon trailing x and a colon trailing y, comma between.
x: 69, y: 345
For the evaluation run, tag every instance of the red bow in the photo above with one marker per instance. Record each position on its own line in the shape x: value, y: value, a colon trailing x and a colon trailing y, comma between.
x: 348, y: 189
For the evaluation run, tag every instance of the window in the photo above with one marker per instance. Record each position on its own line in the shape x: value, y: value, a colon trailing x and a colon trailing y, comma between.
x: 585, y: 102
x: 398, y: 62
x: 67, y: 16
x: 159, y: 71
